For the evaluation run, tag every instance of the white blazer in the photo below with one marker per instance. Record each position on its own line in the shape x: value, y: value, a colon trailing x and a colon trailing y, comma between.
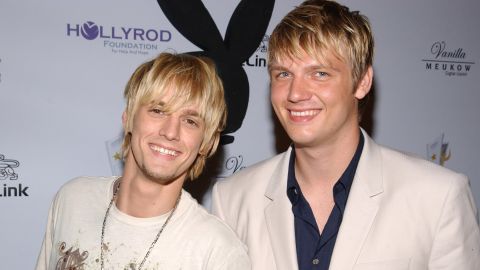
x: 402, y: 212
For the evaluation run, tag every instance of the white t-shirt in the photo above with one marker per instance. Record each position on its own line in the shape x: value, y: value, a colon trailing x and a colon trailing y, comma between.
x: 193, y: 239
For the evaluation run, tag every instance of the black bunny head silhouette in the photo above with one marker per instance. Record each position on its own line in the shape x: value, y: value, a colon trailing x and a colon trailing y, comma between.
x: 244, y: 33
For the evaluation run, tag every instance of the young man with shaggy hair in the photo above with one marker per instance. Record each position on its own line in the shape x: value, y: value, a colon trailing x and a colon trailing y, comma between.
x: 143, y: 219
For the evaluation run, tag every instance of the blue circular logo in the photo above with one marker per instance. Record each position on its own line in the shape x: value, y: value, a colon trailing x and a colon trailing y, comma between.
x: 90, y: 30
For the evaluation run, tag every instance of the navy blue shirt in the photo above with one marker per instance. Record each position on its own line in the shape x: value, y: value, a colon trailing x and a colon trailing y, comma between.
x: 314, y: 250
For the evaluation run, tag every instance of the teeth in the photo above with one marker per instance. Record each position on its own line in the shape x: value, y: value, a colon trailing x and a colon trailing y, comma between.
x: 304, y: 113
x: 164, y: 151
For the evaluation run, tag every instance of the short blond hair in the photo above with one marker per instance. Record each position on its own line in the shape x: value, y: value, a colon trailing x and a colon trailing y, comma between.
x: 317, y: 26
x: 191, y: 79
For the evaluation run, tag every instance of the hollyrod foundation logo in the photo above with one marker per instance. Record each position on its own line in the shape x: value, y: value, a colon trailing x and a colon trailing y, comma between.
x: 259, y: 58
x: 120, y: 39
x: 450, y: 61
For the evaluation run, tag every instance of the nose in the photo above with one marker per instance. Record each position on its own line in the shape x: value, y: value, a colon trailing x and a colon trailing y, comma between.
x: 170, y: 128
x: 298, y: 90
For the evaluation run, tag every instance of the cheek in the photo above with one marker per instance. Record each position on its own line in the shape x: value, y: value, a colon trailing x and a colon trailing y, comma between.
x: 335, y: 94
x: 135, y: 141
x: 144, y: 126
x: 275, y: 102
x: 276, y: 96
x: 195, y: 139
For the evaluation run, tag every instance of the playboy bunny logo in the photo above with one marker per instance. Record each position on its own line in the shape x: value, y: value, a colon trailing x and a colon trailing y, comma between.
x: 244, y: 33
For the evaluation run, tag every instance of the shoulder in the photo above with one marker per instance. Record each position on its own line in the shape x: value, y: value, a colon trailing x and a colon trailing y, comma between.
x: 405, y: 175
x: 212, y: 238
x: 83, y: 182
x: 414, y: 176
x: 84, y: 186
x: 206, y: 227
x: 411, y: 166
x: 405, y: 167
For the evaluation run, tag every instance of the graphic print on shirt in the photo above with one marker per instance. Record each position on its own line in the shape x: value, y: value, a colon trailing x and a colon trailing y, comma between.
x: 70, y: 259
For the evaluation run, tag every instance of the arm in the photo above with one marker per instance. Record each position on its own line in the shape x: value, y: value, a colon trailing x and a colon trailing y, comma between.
x: 457, y: 238
x: 237, y: 259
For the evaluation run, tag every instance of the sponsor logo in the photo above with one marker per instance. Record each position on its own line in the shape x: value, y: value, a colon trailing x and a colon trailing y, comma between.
x: 450, y: 61
x: 114, y: 152
x: 438, y: 151
x: 259, y: 59
x: 10, y: 187
x: 120, y: 39
x: 232, y: 165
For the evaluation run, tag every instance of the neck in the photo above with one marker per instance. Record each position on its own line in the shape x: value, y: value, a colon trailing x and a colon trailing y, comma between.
x: 324, y: 164
x: 145, y: 198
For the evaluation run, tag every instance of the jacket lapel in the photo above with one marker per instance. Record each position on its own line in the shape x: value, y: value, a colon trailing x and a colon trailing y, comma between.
x: 279, y: 218
x: 361, y: 209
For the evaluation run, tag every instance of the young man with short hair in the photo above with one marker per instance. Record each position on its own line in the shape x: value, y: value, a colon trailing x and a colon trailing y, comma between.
x: 335, y: 199
x: 174, y: 114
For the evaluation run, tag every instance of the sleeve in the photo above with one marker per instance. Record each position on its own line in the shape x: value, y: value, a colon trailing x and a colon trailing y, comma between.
x: 457, y: 238
x: 43, y: 260
x: 237, y: 259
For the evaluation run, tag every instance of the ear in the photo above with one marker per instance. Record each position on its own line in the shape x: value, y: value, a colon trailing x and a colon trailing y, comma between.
x: 365, y: 84
x: 124, y: 119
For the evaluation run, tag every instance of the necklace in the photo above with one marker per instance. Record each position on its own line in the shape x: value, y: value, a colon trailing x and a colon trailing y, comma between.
x: 114, y: 197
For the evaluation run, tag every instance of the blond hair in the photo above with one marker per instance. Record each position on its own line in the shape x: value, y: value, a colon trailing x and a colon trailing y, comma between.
x: 189, y: 79
x: 317, y: 26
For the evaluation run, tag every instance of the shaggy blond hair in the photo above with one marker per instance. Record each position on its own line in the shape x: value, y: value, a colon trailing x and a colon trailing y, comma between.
x: 191, y: 80
x: 317, y: 27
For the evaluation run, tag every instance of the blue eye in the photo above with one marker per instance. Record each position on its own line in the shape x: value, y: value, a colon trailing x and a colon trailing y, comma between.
x: 321, y: 74
x: 282, y: 74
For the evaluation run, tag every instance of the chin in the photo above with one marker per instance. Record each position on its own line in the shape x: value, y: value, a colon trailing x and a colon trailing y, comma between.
x: 302, y: 137
x: 157, y: 176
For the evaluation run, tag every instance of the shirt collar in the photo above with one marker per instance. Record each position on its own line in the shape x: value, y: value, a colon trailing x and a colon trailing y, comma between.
x: 343, y: 184
x: 293, y: 189
x: 346, y: 179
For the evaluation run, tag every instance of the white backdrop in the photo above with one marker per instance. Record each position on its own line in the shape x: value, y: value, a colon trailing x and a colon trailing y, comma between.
x: 61, y: 94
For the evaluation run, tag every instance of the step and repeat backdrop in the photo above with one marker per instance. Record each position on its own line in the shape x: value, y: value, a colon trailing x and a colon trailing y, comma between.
x: 64, y: 65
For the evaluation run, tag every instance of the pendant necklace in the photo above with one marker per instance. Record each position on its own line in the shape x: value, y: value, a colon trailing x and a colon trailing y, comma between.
x: 152, y: 245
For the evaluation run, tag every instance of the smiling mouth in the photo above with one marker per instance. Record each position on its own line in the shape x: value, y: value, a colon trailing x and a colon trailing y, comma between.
x: 304, y: 113
x: 164, y: 151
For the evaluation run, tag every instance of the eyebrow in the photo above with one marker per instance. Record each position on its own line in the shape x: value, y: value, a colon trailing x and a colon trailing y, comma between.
x: 185, y: 112
x: 311, y: 67
x: 157, y: 103
x: 315, y: 67
x: 276, y: 67
x: 191, y: 112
